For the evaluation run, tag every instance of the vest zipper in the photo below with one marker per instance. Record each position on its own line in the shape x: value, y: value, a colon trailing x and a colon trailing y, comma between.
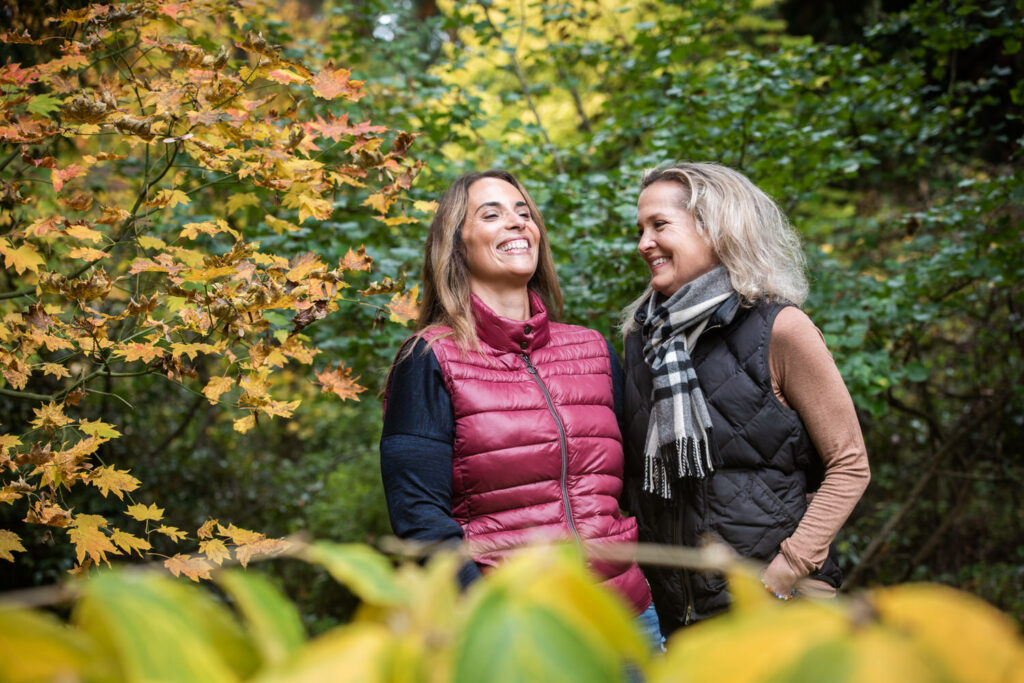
x: 561, y: 436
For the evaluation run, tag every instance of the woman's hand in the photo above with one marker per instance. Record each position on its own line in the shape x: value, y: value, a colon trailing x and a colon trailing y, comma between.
x: 779, y: 578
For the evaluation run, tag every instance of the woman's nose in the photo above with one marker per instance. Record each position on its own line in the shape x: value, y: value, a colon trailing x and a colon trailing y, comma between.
x: 645, y: 243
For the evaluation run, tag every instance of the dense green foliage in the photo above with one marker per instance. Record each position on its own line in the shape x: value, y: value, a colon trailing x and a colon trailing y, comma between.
x: 894, y: 145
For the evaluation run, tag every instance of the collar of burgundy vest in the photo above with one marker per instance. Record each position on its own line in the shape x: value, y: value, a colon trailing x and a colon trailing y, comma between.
x: 514, y: 336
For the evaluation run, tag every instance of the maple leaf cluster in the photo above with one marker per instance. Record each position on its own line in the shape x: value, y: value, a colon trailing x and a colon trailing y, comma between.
x: 140, y: 169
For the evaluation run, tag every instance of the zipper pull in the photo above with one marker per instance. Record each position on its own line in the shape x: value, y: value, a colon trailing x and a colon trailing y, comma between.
x: 529, y: 366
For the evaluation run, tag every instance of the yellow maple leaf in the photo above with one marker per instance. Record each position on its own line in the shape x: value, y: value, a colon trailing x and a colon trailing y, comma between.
x: 98, y: 428
x: 206, y: 530
x: 280, y: 226
x: 128, y: 543
x: 404, y: 307
x: 425, y: 207
x: 171, y: 532
x: 147, y: 242
x: 25, y: 257
x: 193, y: 230
x: 238, y: 535
x: 87, y: 254
x: 240, y: 201
x: 397, y: 220
x: 215, y: 550
x: 192, y: 566
x: 84, y: 233
x: 303, y: 265
x: 89, y: 541
x: 145, y: 512
x: 10, y: 543
x: 169, y: 199
x: 339, y: 381
x: 217, y: 386
x: 381, y: 201
x: 50, y: 416
x: 136, y: 351
x: 311, y: 206
x: 279, y: 408
x: 109, y: 479
x: 56, y: 370
x: 244, y: 424
x: 269, y: 546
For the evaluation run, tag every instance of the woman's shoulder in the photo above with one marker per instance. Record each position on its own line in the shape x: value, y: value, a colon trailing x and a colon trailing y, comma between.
x: 793, y: 327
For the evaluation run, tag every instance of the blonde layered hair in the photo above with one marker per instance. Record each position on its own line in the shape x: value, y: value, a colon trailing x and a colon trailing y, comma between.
x: 746, y: 229
x: 446, y: 279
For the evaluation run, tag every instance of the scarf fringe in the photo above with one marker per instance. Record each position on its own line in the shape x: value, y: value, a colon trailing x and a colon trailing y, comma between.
x: 691, y: 458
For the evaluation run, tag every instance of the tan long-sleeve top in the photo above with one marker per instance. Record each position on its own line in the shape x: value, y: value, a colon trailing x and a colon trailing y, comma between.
x: 805, y: 378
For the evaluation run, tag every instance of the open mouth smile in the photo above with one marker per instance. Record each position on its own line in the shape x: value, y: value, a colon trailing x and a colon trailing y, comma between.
x: 518, y: 244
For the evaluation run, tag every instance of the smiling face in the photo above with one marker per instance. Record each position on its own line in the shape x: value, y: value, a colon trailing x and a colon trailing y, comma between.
x: 669, y: 242
x: 501, y: 240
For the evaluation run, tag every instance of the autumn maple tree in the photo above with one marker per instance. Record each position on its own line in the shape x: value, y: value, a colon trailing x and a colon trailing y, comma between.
x: 146, y: 148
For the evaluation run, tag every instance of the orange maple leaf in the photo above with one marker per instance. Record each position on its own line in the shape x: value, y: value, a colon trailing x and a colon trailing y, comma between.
x: 340, y: 382
x: 303, y: 265
x: 192, y: 566
x: 356, y: 261
x: 60, y: 176
x: 87, y: 253
x: 404, y: 307
x: 331, y: 83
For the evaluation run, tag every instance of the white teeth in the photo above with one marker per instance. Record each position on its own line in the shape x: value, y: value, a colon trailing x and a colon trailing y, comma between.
x: 514, y: 244
x: 658, y: 261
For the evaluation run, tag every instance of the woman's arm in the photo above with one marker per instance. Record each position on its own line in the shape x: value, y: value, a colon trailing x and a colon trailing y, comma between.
x: 416, y: 454
x: 805, y: 378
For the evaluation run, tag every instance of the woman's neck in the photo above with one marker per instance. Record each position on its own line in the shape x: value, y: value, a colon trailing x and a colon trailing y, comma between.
x: 511, y: 303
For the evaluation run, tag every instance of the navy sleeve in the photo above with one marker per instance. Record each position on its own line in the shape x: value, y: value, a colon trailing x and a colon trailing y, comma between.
x: 618, y: 380
x: 416, y: 454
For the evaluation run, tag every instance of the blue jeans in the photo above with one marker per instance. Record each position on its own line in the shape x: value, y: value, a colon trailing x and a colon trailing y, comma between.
x: 648, y: 624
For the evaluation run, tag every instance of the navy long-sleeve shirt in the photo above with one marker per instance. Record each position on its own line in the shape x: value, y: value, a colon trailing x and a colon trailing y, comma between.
x: 416, y: 450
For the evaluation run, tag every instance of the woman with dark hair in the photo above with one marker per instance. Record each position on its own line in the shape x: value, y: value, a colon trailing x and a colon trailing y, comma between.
x: 736, y: 414
x: 499, y: 422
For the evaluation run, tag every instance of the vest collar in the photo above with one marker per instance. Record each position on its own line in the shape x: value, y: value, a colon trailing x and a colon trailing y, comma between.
x: 512, y: 336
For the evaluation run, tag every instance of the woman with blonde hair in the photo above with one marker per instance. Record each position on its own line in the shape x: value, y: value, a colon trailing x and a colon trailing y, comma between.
x: 735, y: 412
x: 499, y: 422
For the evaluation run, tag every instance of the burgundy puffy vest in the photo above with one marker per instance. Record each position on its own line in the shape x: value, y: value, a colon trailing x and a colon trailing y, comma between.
x: 537, y: 452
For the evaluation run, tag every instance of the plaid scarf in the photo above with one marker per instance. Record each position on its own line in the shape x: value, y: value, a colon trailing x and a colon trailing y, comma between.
x: 679, y: 432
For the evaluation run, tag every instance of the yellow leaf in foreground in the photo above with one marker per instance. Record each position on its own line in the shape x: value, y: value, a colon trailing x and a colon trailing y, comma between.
x: 25, y: 257
x: 244, y: 424
x: 145, y: 512
x: 240, y: 201
x: 109, y: 479
x: 215, y: 550
x: 50, y: 416
x: 171, y: 532
x: 98, y: 428
x: 147, y: 242
x: 84, y: 233
x: 192, y: 566
x: 10, y: 543
x: 217, y: 386
x: 89, y: 541
x: 238, y: 535
x: 169, y: 198
x: 128, y: 543
x: 404, y: 307
x: 206, y: 530
x: 87, y: 253
x: 56, y: 370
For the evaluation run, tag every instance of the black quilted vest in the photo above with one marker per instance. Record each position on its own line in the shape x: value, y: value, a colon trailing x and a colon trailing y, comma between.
x: 757, y: 495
